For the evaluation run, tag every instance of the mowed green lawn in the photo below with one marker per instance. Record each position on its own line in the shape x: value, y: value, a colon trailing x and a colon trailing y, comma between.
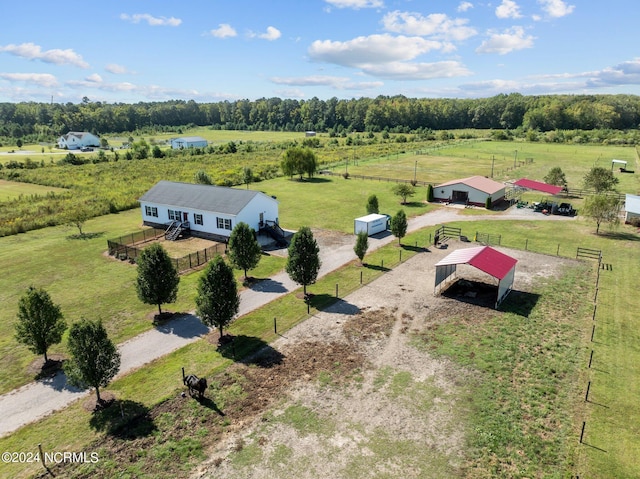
x: 12, y: 189
x: 84, y: 281
x: 469, y: 158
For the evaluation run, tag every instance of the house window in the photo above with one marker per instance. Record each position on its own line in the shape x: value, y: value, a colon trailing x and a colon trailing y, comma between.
x: 223, y: 223
x: 175, y: 215
x: 151, y: 211
x: 197, y: 219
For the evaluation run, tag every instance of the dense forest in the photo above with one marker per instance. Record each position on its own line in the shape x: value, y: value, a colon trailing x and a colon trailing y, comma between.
x: 42, y: 122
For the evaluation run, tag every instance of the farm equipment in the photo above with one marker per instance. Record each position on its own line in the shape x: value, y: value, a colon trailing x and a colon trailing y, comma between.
x: 565, y: 209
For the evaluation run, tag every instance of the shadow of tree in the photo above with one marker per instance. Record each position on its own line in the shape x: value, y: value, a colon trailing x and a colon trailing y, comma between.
x: 250, y: 350
x: 620, y: 235
x: 376, y: 267
x: 86, y: 236
x: 123, y: 419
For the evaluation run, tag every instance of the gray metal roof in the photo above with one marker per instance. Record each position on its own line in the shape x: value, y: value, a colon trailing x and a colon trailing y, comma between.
x: 189, y: 138
x: 216, y: 199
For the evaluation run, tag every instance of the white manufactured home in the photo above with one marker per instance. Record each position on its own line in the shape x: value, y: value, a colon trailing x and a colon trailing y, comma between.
x: 207, y: 211
x: 632, y: 209
x: 187, y: 142
x: 473, y: 191
x: 74, y: 140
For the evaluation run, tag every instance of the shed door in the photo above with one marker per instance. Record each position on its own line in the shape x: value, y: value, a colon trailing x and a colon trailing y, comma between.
x: 460, y: 196
x: 185, y: 215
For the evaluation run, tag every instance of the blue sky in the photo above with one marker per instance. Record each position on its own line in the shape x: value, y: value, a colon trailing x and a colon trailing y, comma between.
x: 213, y: 50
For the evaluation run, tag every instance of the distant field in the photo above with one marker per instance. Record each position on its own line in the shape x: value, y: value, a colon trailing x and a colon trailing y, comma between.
x: 11, y: 189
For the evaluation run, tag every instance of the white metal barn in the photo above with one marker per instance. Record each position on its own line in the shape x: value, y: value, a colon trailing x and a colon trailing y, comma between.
x: 74, y: 140
x: 187, y: 142
x: 208, y: 211
x: 631, y: 207
x: 486, y: 259
x: 473, y: 190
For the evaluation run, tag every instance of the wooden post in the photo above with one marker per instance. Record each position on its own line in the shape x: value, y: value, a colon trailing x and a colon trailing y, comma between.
x: 401, y: 256
x: 593, y: 332
x: 582, y: 433
x: 382, y: 264
x: 275, y: 326
x: 42, y: 456
x: 526, y: 244
x: 360, y: 277
x: 558, y: 250
x: 183, y: 376
x: 336, y: 290
x: 590, y: 358
x: 586, y: 396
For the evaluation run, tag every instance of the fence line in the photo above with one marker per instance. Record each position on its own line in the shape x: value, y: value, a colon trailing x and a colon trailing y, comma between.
x: 376, y: 178
x: 129, y: 247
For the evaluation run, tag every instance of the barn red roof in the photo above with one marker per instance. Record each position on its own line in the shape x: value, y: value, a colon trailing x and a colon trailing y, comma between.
x: 485, y: 258
x: 538, y: 186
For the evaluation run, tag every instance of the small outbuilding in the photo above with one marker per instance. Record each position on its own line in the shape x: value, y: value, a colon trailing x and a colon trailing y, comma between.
x: 74, y: 140
x: 486, y: 259
x: 538, y: 186
x: 187, y: 142
x: 631, y: 208
x: 205, y: 210
x: 471, y: 191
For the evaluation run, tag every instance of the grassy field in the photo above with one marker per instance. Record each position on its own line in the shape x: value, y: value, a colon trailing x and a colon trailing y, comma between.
x: 11, y: 189
x: 86, y: 283
x: 611, y: 415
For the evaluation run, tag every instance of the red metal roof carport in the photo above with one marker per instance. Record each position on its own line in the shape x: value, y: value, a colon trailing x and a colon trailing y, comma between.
x: 484, y: 258
x: 538, y: 186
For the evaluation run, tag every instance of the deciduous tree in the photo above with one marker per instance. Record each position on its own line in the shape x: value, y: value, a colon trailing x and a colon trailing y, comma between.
x: 399, y: 225
x: 298, y: 161
x: 40, y: 322
x: 244, y: 249
x: 303, y: 263
x: 602, y: 209
x: 556, y: 177
x: 404, y: 191
x: 158, y: 279
x: 94, y: 358
x: 600, y: 179
x: 217, y: 301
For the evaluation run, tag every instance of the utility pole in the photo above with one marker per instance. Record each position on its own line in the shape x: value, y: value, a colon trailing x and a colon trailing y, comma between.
x: 515, y: 158
x: 493, y: 159
x: 415, y: 171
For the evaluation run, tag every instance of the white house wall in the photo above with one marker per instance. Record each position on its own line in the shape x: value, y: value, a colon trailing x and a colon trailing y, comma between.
x: 250, y: 214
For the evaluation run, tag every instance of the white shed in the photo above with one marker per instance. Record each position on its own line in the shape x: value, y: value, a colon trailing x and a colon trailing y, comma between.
x: 631, y: 208
x: 473, y: 190
x: 74, y: 140
x: 186, y: 142
x: 209, y: 211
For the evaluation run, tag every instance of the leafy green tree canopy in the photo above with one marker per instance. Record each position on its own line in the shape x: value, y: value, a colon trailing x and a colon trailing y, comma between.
x: 602, y: 209
x: 244, y: 250
x: 94, y: 358
x: 600, y: 179
x: 303, y: 263
x: 217, y: 301
x: 556, y: 177
x: 372, y: 205
x: 404, y: 191
x: 40, y: 322
x: 158, y: 279
x: 362, y: 245
x: 298, y: 161
x: 399, y: 225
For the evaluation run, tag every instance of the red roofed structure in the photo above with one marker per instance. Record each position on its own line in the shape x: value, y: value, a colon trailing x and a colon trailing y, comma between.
x: 538, y: 186
x: 484, y: 258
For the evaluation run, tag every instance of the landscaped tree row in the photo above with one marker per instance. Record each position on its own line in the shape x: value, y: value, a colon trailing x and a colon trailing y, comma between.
x: 44, y: 121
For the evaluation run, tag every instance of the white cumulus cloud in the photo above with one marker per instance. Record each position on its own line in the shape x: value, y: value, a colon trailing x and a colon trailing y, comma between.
x: 356, y: 4
x: 510, y: 40
x: 437, y: 25
x: 464, y: 6
x: 31, y: 51
x: 556, y: 8
x: 508, y: 9
x: 271, y: 34
x: 41, y: 79
x: 224, y: 30
x: 116, y: 69
x: 151, y: 20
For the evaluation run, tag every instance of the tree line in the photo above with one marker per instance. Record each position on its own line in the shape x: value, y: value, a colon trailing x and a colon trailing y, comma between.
x: 34, y: 122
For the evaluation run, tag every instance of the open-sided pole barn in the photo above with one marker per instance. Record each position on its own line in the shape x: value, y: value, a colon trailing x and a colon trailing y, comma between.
x: 486, y: 259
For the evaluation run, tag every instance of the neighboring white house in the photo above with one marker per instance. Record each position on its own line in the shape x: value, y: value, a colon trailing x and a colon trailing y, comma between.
x: 188, y: 142
x: 473, y: 190
x: 211, y: 211
x: 74, y: 140
x: 631, y: 208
